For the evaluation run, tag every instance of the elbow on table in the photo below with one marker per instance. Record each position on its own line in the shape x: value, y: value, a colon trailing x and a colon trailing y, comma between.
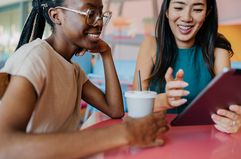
x: 116, y: 114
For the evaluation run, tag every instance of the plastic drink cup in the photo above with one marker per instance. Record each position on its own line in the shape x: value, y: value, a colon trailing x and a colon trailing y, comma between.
x: 140, y: 103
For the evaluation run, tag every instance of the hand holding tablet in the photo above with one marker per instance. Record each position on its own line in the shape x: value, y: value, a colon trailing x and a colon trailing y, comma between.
x: 224, y: 90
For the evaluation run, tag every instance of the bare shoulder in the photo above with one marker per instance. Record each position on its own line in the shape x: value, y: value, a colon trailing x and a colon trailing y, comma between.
x: 148, y: 48
x: 145, y: 62
x: 149, y: 40
x: 221, y: 52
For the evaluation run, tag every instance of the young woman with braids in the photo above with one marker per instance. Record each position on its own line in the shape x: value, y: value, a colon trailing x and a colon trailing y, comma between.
x: 187, y: 42
x: 39, y: 111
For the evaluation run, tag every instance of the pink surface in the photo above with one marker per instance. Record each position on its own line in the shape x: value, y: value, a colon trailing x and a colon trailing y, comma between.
x: 190, y: 142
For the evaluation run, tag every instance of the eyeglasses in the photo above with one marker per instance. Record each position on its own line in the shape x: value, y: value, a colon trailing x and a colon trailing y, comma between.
x: 92, y: 16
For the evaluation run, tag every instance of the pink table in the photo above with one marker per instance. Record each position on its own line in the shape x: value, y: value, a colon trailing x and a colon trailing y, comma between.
x: 185, y: 142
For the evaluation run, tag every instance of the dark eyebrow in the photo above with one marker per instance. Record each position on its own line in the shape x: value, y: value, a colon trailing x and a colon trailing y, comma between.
x: 195, y: 4
x: 178, y: 2
x: 198, y: 4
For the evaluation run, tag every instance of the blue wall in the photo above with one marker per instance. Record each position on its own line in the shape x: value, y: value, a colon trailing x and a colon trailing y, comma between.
x: 84, y: 62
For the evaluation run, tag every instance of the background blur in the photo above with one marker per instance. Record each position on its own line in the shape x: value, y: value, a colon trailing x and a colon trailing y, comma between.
x: 131, y: 21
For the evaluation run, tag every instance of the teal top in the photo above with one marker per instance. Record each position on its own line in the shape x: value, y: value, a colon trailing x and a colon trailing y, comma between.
x: 196, y: 74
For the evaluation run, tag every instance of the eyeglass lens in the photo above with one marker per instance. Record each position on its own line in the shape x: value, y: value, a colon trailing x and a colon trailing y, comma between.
x: 94, y: 16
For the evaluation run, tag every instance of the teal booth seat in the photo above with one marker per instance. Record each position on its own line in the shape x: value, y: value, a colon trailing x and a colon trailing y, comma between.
x: 84, y: 62
x: 125, y: 69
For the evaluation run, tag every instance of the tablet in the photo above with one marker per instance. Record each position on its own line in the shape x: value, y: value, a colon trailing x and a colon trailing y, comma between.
x: 222, y: 91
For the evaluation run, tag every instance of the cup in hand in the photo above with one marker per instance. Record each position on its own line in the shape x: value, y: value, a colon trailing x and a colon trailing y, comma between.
x: 140, y: 103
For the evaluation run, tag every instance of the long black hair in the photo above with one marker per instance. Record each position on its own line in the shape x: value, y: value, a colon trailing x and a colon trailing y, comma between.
x: 207, y: 37
x: 35, y: 24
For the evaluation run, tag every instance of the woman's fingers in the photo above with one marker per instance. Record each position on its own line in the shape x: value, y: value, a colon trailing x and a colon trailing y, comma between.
x: 163, y: 130
x: 228, y: 114
x: 144, y: 131
x: 177, y: 102
x: 236, y: 109
x: 226, y: 129
x: 174, y: 97
x: 226, y: 124
x: 177, y: 93
x: 159, y: 119
x: 232, y: 117
x: 175, y: 88
x: 220, y: 128
x: 176, y: 85
x: 168, y: 75
x: 157, y: 142
x: 174, y: 92
x: 179, y: 75
x: 223, y: 121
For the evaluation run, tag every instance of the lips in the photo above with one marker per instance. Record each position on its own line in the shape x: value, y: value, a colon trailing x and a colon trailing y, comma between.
x: 185, y: 29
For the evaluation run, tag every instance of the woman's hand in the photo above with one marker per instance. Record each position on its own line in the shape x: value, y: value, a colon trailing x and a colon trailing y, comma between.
x: 228, y: 121
x: 144, y: 132
x: 175, y: 88
x: 101, y: 47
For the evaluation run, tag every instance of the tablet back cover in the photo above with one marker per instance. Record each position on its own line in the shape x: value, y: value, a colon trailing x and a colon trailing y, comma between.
x: 222, y: 91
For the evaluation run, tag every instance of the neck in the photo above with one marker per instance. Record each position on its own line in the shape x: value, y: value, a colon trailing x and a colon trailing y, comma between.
x: 62, y: 47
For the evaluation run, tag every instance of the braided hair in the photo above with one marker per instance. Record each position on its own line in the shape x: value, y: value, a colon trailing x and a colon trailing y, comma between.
x: 35, y: 24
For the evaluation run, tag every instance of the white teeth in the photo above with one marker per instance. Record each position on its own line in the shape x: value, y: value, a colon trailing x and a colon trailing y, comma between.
x: 94, y: 35
x: 184, y: 27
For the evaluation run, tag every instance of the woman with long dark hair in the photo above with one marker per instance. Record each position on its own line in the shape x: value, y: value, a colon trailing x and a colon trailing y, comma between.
x: 186, y: 41
x: 39, y: 111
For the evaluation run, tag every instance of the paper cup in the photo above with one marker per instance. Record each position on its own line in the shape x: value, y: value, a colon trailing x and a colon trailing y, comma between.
x: 140, y: 103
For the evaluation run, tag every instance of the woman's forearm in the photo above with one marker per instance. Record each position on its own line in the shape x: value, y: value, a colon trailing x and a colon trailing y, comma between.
x: 62, y: 145
x: 113, y: 93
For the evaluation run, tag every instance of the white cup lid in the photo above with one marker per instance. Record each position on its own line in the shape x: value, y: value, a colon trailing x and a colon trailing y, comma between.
x: 140, y: 94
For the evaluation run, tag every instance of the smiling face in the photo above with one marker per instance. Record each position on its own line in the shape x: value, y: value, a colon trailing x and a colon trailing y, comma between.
x: 74, y: 27
x: 185, y: 19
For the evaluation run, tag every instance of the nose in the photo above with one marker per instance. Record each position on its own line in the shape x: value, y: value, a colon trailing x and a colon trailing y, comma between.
x: 98, y: 22
x: 187, y: 16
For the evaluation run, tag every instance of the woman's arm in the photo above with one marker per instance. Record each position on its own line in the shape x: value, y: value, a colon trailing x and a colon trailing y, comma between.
x: 111, y: 102
x: 228, y: 121
x: 222, y: 60
x: 17, y: 107
x: 145, y: 62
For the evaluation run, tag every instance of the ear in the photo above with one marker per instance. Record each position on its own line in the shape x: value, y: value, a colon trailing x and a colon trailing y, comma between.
x: 54, y: 15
